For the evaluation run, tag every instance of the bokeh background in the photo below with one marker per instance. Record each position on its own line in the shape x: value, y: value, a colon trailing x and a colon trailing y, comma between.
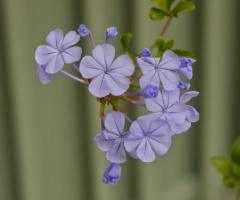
x: 47, y: 148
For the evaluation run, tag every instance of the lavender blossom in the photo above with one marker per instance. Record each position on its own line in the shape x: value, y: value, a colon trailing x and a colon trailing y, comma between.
x: 83, y: 30
x: 146, y: 52
x: 183, y: 86
x: 155, y: 72
x: 58, y: 51
x: 111, y: 32
x: 43, y: 77
x: 114, y: 144
x: 186, y: 67
x: 112, y: 174
x: 166, y: 106
x: 147, y: 137
x: 110, y: 76
x: 150, y: 91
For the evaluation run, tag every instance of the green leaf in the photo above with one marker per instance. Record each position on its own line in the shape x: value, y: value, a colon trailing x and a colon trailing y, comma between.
x: 169, y: 3
x: 235, y: 153
x: 162, y: 4
x: 159, y: 43
x: 168, y: 45
x: 125, y: 39
x: 183, y: 6
x: 156, y: 14
x: 183, y: 53
x: 223, y: 165
x: 229, y: 181
x: 236, y: 170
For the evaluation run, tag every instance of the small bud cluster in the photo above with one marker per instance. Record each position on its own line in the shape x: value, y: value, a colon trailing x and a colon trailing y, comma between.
x: 109, y: 80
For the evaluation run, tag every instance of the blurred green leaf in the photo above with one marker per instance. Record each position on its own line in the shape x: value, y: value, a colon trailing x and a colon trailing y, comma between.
x: 236, y: 170
x: 156, y: 14
x: 184, y: 53
x: 125, y: 39
x: 162, y: 4
x: 235, y: 153
x: 159, y: 43
x: 168, y: 45
x: 169, y: 3
x: 182, y: 6
x: 229, y: 181
x: 223, y: 165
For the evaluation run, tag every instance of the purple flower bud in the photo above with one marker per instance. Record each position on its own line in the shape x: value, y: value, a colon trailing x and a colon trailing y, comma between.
x: 112, y: 174
x: 111, y: 32
x: 83, y: 30
x: 183, y: 86
x: 146, y: 53
x: 150, y: 91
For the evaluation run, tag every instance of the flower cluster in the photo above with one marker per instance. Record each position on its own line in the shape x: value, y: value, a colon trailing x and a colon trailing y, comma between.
x: 109, y: 79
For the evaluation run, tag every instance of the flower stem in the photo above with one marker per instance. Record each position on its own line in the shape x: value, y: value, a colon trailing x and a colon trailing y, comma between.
x: 73, y: 77
x: 91, y: 38
x: 133, y: 102
x: 75, y: 66
x: 163, y: 30
x: 127, y: 118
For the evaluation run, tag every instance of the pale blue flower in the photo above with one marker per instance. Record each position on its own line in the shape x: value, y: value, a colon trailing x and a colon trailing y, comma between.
x: 114, y: 143
x: 112, y: 174
x: 147, y: 137
x: 146, y: 52
x: 155, y: 72
x: 110, y: 76
x: 186, y: 67
x: 59, y: 51
x: 83, y: 30
x: 111, y: 32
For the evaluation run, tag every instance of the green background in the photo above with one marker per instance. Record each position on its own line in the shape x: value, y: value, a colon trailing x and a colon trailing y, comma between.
x: 47, y: 148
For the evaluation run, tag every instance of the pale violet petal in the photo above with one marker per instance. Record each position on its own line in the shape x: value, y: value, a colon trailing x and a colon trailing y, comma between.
x: 177, y: 113
x: 100, y: 86
x: 152, y: 78
x: 134, y: 154
x: 117, y: 153
x: 90, y: 68
x: 170, y: 97
x: 43, y: 77
x: 185, y: 72
x: 145, y: 152
x: 145, y: 67
x: 179, y: 128
x: 103, y: 144
x: 169, y: 79
x: 187, y: 96
x: 71, y: 54
x: 133, y: 140
x: 104, y: 55
x: 159, y: 128
x: 122, y: 65
x: 160, y: 144
x: 118, y: 84
x: 115, y: 122
x: 192, y: 114
x: 170, y: 61
x: 55, y: 64
x: 44, y: 54
x: 70, y: 39
x: 155, y: 104
x: 55, y: 38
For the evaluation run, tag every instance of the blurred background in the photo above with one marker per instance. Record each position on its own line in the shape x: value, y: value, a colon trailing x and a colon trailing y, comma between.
x: 47, y: 148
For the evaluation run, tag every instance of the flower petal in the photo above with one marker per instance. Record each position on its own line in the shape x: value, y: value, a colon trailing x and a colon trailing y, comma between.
x: 169, y: 79
x: 55, y: 38
x: 133, y: 140
x: 70, y: 39
x: 103, y: 144
x: 115, y: 122
x: 44, y: 54
x: 55, y: 64
x: 170, y: 61
x: 43, y: 77
x: 170, y: 97
x: 177, y: 113
x: 187, y: 96
x: 122, y: 65
x: 72, y: 54
x: 118, y: 83
x: 146, y: 67
x: 192, y: 114
x: 155, y: 104
x: 117, y: 153
x: 100, y: 86
x: 90, y: 68
x: 152, y: 78
x: 104, y: 55
x: 179, y: 128
x: 145, y: 152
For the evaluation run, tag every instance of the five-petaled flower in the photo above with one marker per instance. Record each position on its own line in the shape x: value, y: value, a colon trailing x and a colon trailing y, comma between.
x: 110, y: 76
x: 58, y: 51
x: 155, y: 72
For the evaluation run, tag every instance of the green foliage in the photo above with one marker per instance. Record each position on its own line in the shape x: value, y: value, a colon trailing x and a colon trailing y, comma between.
x: 168, y: 45
x: 125, y: 39
x: 229, y: 168
x: 184, y: 53
x: 235, y: 153
x: 182, y: 6
x: 159, y: 43
x: 156, y: 14
x: 162, y: 4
